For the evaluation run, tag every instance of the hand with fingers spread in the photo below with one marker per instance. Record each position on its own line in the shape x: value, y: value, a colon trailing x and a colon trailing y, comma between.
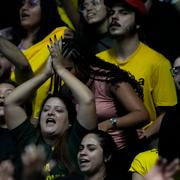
x: 163, y: 171
x: 33, y: 160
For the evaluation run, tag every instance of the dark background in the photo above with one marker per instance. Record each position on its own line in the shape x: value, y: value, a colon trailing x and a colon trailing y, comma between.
x: 8, y: 12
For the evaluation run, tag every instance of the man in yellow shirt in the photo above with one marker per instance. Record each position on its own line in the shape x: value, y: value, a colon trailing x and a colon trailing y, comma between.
x: 149, y: 67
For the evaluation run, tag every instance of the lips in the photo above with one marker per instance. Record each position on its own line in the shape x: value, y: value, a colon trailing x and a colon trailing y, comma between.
x: 1, y: 103
x: 83, y: 161
x: 24, y: 15
x: 90, y: 15
x: 50, y: 121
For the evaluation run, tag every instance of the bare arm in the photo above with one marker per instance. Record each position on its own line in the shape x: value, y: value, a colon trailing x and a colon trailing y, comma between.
x: 23, y: 70
x: 14, y: 113
x: 136, y: 176
x: 137, y: 114
x: 86, y: 114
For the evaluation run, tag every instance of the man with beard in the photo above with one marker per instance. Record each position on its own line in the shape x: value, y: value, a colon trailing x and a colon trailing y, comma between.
x: 149, y: 67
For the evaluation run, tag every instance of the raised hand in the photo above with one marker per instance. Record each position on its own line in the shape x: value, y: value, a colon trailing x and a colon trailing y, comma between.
x: 55, y: 49
x: 6, y: 170
x: 33, y: 159
x: 163, y: 171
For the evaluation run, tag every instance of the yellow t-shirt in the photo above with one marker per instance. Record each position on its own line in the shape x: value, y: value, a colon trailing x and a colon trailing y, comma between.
x: 37, y: 56
x: 152, y: 70
x: 144, y: 161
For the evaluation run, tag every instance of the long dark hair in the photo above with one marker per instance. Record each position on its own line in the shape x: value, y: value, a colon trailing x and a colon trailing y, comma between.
x: 87, y: 34
x: 50, y: 20
x: 92, y: 67
x: 61, y: 151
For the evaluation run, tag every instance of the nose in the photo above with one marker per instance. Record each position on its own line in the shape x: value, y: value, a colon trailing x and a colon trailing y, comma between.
x: 89, y: 6
x: 83, y: 152
x: 25, y: 5
x: 51, y: 112
x: 2, y: 96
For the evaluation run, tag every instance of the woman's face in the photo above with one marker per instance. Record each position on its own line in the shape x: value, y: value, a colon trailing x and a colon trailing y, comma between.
x: 90, y: 155
x: 5, y: 90
x: 54, y: 117
x: 30, y: 14
x: 93, y: 11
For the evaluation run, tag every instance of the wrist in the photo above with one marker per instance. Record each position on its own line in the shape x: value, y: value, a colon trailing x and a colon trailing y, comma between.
x: 113, y: 122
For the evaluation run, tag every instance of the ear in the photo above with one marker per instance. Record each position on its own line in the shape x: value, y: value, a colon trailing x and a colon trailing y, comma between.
x: 107, y: 158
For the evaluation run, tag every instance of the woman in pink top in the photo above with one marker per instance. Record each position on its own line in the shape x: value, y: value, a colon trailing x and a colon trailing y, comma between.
x: 119, y: 109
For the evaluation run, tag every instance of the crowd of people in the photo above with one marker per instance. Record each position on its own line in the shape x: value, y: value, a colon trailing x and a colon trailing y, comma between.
x: 84, y: 96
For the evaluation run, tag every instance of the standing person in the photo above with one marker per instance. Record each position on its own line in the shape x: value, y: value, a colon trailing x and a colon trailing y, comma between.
x: 119, y: 109
x: 93, y: 31
x: 54, y: 132
x: 38, y: 21
x: 168, y: 146
x: 169, y: 131
x: 148, y: 66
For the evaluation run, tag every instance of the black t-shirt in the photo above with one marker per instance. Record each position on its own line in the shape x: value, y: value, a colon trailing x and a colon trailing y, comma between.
x: 6, y: 144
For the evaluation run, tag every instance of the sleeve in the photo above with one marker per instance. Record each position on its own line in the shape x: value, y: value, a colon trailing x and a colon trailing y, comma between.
x: 164, y: 91
x: 144, y: 161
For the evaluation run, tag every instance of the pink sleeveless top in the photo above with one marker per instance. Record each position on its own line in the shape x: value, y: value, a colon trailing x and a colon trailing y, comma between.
x: 106, y: 109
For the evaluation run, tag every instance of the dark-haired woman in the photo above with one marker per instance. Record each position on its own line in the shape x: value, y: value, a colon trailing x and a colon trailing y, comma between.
x: 38, y: 21
x: 60, y: 139
x: 119, y: 109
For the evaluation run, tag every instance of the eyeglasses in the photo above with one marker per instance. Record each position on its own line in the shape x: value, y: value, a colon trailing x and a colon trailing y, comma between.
x: 84, y: 6
x: 175, y: 71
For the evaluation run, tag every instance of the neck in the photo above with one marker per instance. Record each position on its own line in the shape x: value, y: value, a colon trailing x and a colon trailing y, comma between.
x: 27, y: 42
x: 125, y: 47
x: 3, y: 122
x: 51, y: 140
x: 102, y: 27
x: 100, y: 175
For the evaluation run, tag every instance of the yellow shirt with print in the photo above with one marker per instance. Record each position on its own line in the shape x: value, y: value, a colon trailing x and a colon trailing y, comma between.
x: 37, y: 55
x: 144, y: 161
x: 152, y: 70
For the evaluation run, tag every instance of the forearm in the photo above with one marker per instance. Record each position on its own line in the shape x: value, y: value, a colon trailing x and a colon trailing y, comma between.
x: 154, y: 128
x: 80, y: 91
x: 13, y: 54
x: 86, y: 113
x: 133, y: 119
x: 23, y: 70
x: 25, y: 90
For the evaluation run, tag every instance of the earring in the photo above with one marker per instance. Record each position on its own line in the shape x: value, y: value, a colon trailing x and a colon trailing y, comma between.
x: 138, y: 26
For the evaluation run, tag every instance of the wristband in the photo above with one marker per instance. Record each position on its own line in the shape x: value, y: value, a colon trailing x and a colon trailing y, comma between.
x: 114, y: 122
